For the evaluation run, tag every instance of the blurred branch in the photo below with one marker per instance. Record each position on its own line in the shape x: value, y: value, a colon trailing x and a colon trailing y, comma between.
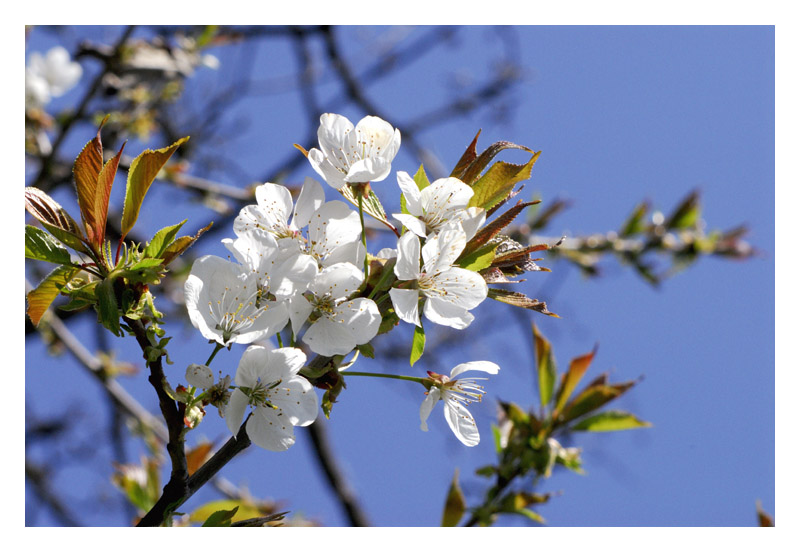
x: 336, y: 479
x: 115, y: 391
x: 38, y: 479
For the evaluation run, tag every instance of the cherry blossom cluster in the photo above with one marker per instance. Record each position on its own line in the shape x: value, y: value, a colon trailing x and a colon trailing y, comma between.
x: 301, y: 265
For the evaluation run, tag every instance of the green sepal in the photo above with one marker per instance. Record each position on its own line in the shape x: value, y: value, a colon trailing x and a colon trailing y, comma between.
x: 418, y: 344
x: 455, y: 505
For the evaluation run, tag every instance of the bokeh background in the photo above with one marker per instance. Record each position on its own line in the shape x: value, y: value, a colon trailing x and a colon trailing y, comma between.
x: 621, y: 115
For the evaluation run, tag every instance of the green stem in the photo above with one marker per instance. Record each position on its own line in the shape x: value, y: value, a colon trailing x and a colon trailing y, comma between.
x: 390, y: 376
x: 280, y: 341
x: 213, y: 354
x: 363, y: 231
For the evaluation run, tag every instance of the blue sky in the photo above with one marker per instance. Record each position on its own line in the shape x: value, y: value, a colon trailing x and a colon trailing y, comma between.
x: 621, y: 114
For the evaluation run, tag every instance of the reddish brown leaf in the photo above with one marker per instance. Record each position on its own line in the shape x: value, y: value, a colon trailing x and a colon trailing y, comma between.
x: 85, y: 171
x: 466, y: 160
x: 520, y: 300
x: 102, y: 195
x: 493, y: 228
x: 54, y: 218
x: 197, y: 456
x: 570, y: 380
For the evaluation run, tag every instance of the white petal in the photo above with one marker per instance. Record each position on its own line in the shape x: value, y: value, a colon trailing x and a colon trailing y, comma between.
x: 445, y: 313
x: 461, y: 422
x: 234, y: 412
x: 376, y: 134
x: 407, y: 265
x: 446, y: 194
x: 199, y: 375
x: 310, y: 199
x: 463, y: 288
x: 285, y: 362
x: 339, y: 280
x: 387, y: 253
x: 299, y: 311
x: 270, y: 431
x: 297, y: 401
x: 362, y: 318
x: 292, y: 275
x: 471, y: 220
x: 373, y: 169
x: 269, y: 322
x: 275, y: 203
x: 332, y: 176
x: 412, y: 223
x: 410, y: 192
x: 482, y: 365
x: 252, y: 366
x: 334, y: 224
x: 426, y: 407
x: 327, y: 338
x: 406, y: 304
x: 445, y: 248
x: 336, y: 135
x: 352, y: 253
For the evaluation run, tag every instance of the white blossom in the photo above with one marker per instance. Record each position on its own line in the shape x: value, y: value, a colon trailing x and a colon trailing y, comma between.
x: 334, y: 230
x: 338, y: 324
x: 50, y: 76
x: 443, y: 202
x: 268, y: 381
x: 448, y: 291
x: 350, y: 155
x: 228, y: 303
x: 457, y: 394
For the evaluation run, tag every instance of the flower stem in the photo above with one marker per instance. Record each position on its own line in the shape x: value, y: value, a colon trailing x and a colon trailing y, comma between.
x: 213, y: 354
x: 363, y: 232
x: 390, y: 376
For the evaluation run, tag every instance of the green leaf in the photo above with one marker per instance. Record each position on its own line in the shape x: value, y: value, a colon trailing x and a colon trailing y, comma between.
x: 54, y: 218
x: 634, y: 224
x: 498, y: 182
x: 577, y: 368
x: 611, y: 420
x: 592, y: 398
x: 142, y: 173
x: 479, y: 259
x: 146, y: 263
x: 107, y: 310
x: 687, y: 214
x: 545, y: 367
x: 39, y: 245
x: 471, y: 173
x: 455, y: 505
x: 418, y: 344
x: 177, y: 248
x: 221, y: 518
x: 163, y: 239
x: 45, y: 293
x: 245, y: 510
x: 421, y: 178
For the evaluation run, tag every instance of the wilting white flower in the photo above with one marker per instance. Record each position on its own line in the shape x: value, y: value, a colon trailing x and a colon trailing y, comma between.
x: 448, y: 291
x: 229, y: 303
x: 354, y: 155
x: 338, y: 324
x: 281, y: 399
x: 443, y: 202
x: 216, y: 394
x: 50, y: 76
x: 457, y: 394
